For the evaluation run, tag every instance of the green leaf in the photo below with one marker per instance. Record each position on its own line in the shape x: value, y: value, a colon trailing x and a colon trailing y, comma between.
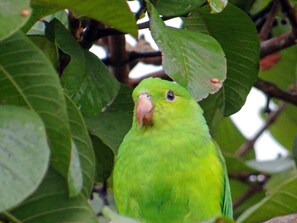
x: 236, y: 165
x: 243, y: 5
x: 177, y: 7
x: 217, y: 5
x: 80, y: 136
x: 282, y: 201
x: 13, y: 15
x: 238, y: 189
x: 285, y: 127
x: 38, y: 12
x: 104, y: 159
x: 75, y: 179
x: 114, y: 122
x: 47, y: 47
x: 272, y: 166
x: 86, y: 79
x: 115, y: 13
x: 24, y: 154
x: 241, y: 50
x: 50, y: 203
x: 28, y: 79
x: 278, y: 179
x: 225, y: 132
x: 294, y: 150
x: 184, y: 57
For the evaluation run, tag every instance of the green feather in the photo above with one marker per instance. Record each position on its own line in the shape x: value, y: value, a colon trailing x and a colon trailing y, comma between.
x: 170, y: 171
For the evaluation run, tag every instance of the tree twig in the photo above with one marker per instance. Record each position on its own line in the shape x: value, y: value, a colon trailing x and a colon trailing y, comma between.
x: 266, y: 28
x: 90, y: 34
x: 277, y: 43
x: 160, y: 74
x: 273, y: 91
x: 271, y: 118
x: 119, y: 57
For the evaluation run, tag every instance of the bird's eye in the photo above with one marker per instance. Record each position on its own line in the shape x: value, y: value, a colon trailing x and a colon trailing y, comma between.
x: 170, y: 96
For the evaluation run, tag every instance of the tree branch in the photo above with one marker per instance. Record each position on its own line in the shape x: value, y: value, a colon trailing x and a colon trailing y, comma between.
x: 161, y: 74
x: 271, y: 118
x: 119, y: 57
x: 90, y: 34
x: 277, y: 43
x: 266, y: 28
x: 273, y: 91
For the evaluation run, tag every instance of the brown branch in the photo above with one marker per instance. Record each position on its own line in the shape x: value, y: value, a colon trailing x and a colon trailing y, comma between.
x: 271, y: 118
x: 242, y: 176
x: 141, y: 10
x: 277, y: 43
x: 74, y: 26
x: 273, y: 91
x: 147, y: 57
x: 160, y: 74
x: 146, y: 24
x: 266, y: 28
x: 119, y: 57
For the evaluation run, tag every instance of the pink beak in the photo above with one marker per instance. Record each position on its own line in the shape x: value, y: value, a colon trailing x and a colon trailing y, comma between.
x: 144, y: 110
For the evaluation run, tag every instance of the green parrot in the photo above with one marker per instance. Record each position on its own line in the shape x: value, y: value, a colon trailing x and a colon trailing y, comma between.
x: 168, y: 168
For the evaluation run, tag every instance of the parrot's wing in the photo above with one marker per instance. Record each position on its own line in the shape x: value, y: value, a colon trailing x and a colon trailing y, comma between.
x: 227, y: 201
x: 227, y: 208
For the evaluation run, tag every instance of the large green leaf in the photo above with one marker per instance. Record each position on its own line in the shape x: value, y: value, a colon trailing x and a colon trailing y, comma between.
x: 38, y: 12
x: 193, y: 59
x: 177, y: 7
x: 82, y: 141
x: 75, y: 178
x: 28, y: 79
x: 217, y: 5
x: 225, y: 132
x: 104, y: 159
x: 272, y: 166
x: 13, y: 15
x: 24, y: 154
x: 115, y: 13
x: 241, y: 50
x: 47, y: 47
x: 86, y: 79
x: 50, y: 203
x: 114, y: 122
x: 285, y: 127
x: 282, y: 201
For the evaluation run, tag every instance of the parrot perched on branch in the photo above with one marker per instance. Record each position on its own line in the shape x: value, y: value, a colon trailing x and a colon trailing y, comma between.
x: 168, y: 168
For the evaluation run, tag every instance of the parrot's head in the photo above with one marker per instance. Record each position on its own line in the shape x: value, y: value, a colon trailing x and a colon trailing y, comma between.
x: 158, y: 102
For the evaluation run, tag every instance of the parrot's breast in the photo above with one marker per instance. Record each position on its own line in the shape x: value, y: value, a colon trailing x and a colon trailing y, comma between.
x: 175, y: 179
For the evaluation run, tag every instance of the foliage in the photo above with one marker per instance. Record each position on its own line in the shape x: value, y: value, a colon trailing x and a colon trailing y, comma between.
x: 64, y: 111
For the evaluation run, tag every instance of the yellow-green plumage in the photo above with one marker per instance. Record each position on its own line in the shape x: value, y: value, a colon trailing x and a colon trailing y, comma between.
x: 170, y: 170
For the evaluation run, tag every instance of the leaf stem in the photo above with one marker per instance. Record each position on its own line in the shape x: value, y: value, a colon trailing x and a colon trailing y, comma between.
x: 11, y: 217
